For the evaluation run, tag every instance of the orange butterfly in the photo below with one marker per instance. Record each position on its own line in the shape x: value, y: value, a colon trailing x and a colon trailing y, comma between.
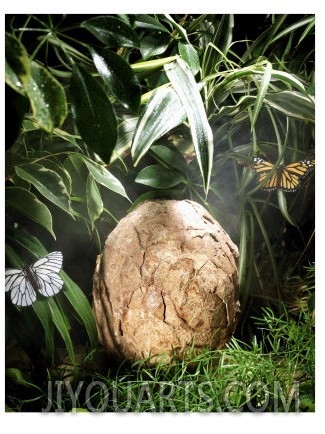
x: 286, y: 178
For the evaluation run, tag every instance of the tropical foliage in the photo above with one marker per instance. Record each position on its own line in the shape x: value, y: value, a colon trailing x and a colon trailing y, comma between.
x: 105, y: 111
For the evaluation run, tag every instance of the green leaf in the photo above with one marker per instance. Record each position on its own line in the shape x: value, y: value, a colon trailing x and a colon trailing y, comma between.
x: 94, y: 201
x: 43, y: 313
x: 176, y: 26
x: 282, y: 201
x: 82, y: 307
x: 112, y: 31
x: 47, y: 98
x: 62, y: 324
x: 172, y: 157
x: 94, y: 114
x: 15, y: 376
x: 154, y: 44
x: 78, y: 173
x: 118, y: 77
x: 160, y: 177
x: 188, y: 92
x: 189, y: 54
x: 290, y: 29
x: 288, y: 79
x: 292, y: 104
x: 223, y: 29
x: 265, y: 82
x: 152, y: 65
x: 163, y: 112
x: 47, y: 182
x: 18, y: 68
x: 27, y: 204
x: 103, y: 176
x: 148, y: 22
x: 55, y: 165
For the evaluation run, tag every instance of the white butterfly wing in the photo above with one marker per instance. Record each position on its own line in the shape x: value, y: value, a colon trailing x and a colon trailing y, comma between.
x: 22, y: 292
x: 45, y: 272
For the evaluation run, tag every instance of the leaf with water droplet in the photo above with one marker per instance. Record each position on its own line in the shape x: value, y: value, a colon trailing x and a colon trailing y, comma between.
x: 17, y: 64
x: 47, y: 98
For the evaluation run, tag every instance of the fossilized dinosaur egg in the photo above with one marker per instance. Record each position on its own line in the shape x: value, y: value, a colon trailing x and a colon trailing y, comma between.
x: 165, y: 282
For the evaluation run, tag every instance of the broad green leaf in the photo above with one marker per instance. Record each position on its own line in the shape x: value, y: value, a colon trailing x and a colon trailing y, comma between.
x: 148, y: 22
x: 47, y: 98
x: 163, y: 112
x: 94, y: 115
x: 48, y: 183
x: 188, y: 92
x: 154, y: 44
x: 189, y: 54
x: 292, y: 104
x: 118, y: 77
x: 265, y: 82
x: 94, y: 201
x: 17, y: 65
x: 103, y: 176
x: 160, y: 177
x: 27, y: 204
x: 112, y: 31
x: 171, y: 157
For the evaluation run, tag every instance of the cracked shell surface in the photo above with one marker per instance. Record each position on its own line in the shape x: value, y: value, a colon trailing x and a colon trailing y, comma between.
x: 166, y: 282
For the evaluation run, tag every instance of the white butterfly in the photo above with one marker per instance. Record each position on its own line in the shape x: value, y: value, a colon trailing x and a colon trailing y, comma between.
x: 40, y: 277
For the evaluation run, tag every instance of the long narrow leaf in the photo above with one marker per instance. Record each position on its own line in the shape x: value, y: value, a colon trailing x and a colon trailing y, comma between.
x: 94, y: 201
x: 103, y: 176
x: 62, y: 324
x: 47, y: 182
x: 292, y: 104
x: 43, y: 313
x: 262, y: 92
x: 179, y: 28
x: 82, y: 307
x: 163, y: 112
x: 188, y: 92
x: 282, y: 201
x: 27, y: 204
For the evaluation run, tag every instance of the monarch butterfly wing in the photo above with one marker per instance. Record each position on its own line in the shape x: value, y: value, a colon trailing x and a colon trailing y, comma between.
x: 263, y: 170
x: 45, y: 272
x: 21, y: 290
x: 294, y: 173
x: 289, y: 181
